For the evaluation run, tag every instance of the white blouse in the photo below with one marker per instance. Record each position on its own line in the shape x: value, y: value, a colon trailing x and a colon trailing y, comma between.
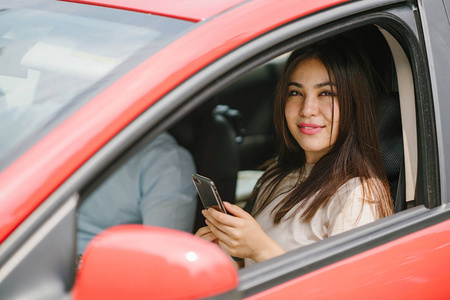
x: 346, y: 210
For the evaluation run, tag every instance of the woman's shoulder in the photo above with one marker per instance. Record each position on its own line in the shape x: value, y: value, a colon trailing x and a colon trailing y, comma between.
x: 357, y: 191
x: 353, y: 204
x: 358, y: 184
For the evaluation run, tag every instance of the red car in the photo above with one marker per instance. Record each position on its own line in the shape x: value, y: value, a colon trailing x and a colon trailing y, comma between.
x: 85, y: 82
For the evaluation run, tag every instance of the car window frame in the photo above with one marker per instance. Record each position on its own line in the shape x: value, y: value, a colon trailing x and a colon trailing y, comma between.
x: 433, y: 16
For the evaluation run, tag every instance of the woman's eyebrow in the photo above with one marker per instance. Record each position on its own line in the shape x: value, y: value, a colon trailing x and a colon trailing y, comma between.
x: 319, y: 85
x: 295, y: 84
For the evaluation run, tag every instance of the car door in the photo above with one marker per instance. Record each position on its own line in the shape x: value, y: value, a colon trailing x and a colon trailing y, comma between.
x: 404, y: 255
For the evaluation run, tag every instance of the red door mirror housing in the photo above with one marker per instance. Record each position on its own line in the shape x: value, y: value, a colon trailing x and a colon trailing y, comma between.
x: 144, y: 262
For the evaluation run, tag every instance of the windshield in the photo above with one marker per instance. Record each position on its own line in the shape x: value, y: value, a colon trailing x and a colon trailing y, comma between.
x: 55, y: 56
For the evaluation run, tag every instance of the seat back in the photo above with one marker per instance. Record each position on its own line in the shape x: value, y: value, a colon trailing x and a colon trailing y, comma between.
x: 373, y: 43
x: 211, y: 139
x: 253, y: 95
x: 391, y: 140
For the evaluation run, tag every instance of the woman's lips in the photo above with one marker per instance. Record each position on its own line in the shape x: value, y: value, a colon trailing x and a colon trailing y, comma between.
x: 310, y: 129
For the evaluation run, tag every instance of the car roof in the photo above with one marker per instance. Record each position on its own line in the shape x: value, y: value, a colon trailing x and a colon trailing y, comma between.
x: 195, y: 10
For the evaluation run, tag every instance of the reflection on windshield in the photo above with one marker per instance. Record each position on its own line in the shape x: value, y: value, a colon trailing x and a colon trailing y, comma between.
x: 52, y: 62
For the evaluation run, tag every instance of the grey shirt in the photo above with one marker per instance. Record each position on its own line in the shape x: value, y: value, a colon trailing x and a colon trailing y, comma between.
x: 154, y: 187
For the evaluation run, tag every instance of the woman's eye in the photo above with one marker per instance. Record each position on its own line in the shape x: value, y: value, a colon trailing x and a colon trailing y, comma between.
x: 294, y: 93
x: 327, y: 94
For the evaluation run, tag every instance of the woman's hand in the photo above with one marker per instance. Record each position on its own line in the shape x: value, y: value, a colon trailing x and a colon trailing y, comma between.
x: 205, y: 233
x: 240, y: 235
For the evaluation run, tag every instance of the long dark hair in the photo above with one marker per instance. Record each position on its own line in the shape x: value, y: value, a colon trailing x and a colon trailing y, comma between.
x: 356, y: 152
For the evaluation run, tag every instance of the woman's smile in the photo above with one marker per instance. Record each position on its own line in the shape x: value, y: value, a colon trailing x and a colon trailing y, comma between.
x: 310, y: 129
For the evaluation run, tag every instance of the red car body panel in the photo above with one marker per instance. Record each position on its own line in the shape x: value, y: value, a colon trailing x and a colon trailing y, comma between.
x: 179, y: 9
x: 390, y: 267
x: 26, y: 183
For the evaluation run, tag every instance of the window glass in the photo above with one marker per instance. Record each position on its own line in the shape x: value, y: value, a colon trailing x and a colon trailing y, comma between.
x: 56, y: 56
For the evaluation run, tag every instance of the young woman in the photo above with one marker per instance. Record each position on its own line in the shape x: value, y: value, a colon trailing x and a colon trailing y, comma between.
x: 329, y: 176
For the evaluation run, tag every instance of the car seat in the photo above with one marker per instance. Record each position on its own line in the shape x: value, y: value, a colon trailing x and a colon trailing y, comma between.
x: 370, y: 39
x: 391, y: 143
x: 211, y: 139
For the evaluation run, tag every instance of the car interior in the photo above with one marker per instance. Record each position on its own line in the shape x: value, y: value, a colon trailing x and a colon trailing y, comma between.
x: 232, y: 134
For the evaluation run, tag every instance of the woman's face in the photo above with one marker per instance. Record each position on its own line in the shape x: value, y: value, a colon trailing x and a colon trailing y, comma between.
x: 309, y: 109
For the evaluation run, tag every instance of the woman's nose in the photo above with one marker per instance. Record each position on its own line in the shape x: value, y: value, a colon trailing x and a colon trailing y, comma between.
x: 309, y: 107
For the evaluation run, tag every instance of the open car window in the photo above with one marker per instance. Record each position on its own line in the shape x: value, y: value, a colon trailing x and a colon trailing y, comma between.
x: 231, y: 134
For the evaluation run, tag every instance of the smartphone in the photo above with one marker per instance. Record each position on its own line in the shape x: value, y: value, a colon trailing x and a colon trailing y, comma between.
x: 208, y: 193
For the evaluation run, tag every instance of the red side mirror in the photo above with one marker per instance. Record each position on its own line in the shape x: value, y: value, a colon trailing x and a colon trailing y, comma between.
x: 142, y: 262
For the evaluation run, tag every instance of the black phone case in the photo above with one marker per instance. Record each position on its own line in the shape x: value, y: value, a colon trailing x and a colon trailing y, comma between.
x: 209, y: 195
